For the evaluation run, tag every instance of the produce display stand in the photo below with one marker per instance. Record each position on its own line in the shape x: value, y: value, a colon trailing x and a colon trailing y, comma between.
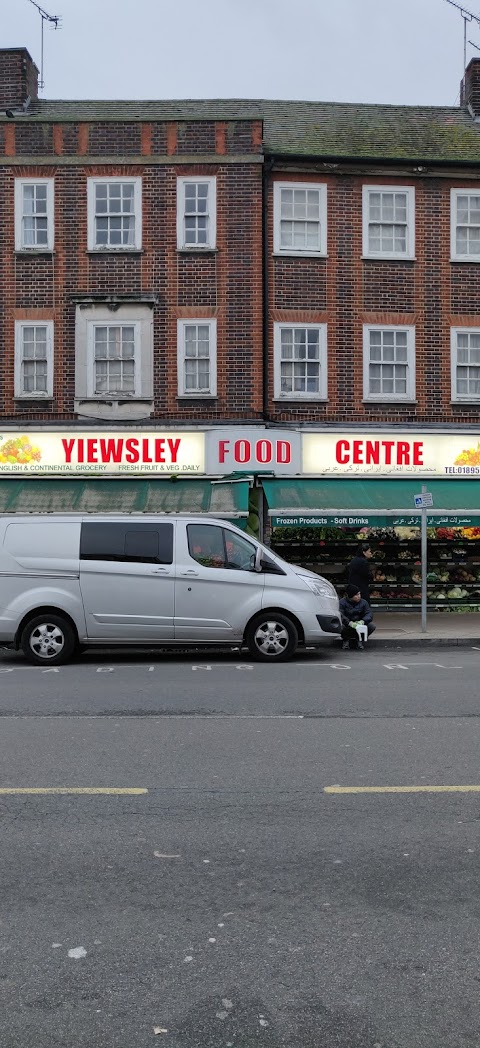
x: 453, y: 567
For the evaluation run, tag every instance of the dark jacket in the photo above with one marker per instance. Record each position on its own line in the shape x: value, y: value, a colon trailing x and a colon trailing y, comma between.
x: 359, y: 575
x: 354, y: 611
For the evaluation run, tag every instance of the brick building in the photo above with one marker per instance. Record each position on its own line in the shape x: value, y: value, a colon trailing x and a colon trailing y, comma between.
x: 150, y: 214
x: 241, y: 267
x: 140, y: 223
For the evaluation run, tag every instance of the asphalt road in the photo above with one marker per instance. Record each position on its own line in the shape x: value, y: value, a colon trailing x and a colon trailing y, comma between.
x: 236, y: 903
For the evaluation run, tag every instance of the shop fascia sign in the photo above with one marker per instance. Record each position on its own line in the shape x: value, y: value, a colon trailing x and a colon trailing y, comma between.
x: 142, y: 452
x: 391, y: 454
x: 101, y: 453
x: 253, y: 450
x: 368, y: 520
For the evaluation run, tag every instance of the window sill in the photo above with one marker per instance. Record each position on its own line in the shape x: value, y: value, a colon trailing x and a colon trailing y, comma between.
x: 39, y: 403
x: 469, y: 261
x: 26, y: 398
x: 300, y: 400
x: 300, y: 254
x: 386, y: 402
x: 467, y: 402
x: 389, y: 258
x: 122, y: 408
x: 29, y: 252
x: 197, y: 396
x: 197, y: 250
x: 115, y: 251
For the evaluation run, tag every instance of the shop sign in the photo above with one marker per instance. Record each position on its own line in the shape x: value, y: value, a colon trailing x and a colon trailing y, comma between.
x: 341, y: 520
x: 127, y: 452
x: 392, y: 454
x: 367, y: 520
x: 256, y: 450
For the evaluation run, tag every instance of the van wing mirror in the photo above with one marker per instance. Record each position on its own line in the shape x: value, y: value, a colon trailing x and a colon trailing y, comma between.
x: 258, y: 559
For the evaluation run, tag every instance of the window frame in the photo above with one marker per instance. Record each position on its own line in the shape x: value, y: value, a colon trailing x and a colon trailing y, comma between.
x: 454, y: 256
x: 460, y: 398
x: 118, y: 394
x: 182, y: 323
x: 92, y: 182
x: 19, y: 393
x: 32, y: 249
x: 322, y: 394
x: 386, y: 398
x: 321, y: 251
x: 409, y: 253
x: 182, y: 182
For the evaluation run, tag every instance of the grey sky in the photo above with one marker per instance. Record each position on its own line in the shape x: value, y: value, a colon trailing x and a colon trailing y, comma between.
x: 394, y: 51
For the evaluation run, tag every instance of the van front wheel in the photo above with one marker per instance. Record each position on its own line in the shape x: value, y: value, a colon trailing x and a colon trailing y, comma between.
x: 272, y: 637
x: 48, y: 640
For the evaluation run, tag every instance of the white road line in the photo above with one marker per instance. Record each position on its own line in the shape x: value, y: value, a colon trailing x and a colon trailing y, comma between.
x: 204, y: 667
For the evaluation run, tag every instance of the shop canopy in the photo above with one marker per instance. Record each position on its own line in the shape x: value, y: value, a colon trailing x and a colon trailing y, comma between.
x: 226, y: 499
x: 308, y: 502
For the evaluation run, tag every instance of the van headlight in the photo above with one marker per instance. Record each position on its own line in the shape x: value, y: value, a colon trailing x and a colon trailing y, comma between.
x: 320, y: 588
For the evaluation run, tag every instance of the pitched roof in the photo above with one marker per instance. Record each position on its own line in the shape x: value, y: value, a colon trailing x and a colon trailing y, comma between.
x: 321, y: 129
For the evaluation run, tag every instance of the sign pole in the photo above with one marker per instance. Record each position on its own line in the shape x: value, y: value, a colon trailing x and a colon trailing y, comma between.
x: 424, y: 564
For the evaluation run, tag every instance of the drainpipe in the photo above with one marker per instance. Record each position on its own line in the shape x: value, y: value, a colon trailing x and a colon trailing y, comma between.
x: 266, y: 171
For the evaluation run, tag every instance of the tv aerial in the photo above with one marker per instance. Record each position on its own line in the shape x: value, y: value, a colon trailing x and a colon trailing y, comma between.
x: 54, y: 22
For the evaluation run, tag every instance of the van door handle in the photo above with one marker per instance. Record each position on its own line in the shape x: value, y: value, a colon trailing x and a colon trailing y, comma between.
x: 160, y: 571
x: 190, y: 572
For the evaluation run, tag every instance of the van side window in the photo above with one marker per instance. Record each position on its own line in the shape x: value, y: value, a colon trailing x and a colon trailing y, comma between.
x: 240, y: 552
x: 102, y: 542
x: 127, y: 543
x: 142, y: 546
x: 216, y: 547
x: 206, y: 546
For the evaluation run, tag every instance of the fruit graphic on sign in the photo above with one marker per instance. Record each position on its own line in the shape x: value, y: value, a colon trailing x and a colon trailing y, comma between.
x: 19, y: 451
x: 470, y: 457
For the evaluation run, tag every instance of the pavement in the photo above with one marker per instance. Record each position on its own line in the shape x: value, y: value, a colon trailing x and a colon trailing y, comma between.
x: 215, y: 888
x: 404, y: 629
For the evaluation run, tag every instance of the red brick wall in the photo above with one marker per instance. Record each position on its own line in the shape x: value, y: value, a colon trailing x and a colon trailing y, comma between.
x: 225, y: 283
x: 346, y: 292
x: 470, y: 86
x: 18, y: 77
x: 113, y: 138
x: 33, y: 139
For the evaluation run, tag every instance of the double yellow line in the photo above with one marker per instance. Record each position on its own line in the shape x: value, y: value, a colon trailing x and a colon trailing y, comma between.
x: 135, y: 791
x: 401, y: 789
x: 123, y: 791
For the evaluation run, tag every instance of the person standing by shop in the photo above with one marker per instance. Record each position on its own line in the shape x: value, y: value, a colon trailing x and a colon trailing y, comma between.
x: 358, y: 571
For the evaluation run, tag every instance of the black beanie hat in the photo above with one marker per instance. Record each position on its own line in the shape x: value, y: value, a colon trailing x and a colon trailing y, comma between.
x: 352, y: 590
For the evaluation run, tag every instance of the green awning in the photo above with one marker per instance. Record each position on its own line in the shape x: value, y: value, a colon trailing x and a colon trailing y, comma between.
x: 390, y: 497
x: 224, y: 499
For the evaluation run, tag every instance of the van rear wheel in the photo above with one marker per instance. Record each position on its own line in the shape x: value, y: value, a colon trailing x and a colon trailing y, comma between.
x: 272, y: 637
x: 48, y: 640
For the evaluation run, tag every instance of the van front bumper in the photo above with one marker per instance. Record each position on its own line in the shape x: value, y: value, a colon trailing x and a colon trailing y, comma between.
x: 330, y: 624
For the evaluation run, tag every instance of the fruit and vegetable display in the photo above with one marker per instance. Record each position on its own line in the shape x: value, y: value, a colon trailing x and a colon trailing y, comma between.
x: 19, y: 451
x: 453, y: 576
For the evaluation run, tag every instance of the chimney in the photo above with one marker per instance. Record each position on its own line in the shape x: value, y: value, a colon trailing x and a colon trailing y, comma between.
x: 470, y: 87
x: 18, y: 77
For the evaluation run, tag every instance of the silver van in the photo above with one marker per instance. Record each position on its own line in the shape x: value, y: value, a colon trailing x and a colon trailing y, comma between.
x: 69, y: 583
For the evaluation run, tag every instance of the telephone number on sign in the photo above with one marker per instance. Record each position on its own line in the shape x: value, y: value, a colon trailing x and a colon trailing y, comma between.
x: 463, y: 470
